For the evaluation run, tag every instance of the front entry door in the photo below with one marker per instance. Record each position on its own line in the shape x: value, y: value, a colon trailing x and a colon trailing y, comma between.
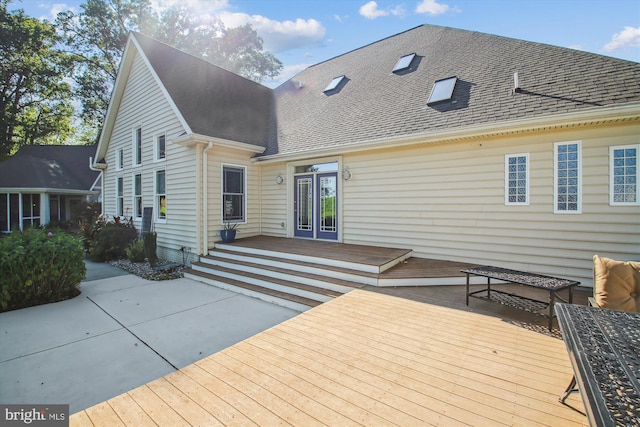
x: 316, y: 206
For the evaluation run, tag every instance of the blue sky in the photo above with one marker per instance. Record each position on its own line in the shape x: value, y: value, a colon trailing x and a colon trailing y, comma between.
x: 304, y: 32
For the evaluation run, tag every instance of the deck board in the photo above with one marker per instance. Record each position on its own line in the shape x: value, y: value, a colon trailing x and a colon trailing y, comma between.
x: 365, y: 358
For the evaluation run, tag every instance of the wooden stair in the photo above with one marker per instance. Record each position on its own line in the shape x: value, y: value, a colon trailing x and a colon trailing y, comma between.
x: 280, y: 277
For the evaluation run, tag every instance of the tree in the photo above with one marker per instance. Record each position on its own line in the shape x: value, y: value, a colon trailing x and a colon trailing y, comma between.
x: 239, y: 49
x: 97, y: 36
x: 35, y: 95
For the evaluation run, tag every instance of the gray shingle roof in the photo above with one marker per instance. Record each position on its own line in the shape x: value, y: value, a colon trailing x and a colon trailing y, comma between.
x: 213, y: 101
x: 63, y: 167
x: 376, y: 103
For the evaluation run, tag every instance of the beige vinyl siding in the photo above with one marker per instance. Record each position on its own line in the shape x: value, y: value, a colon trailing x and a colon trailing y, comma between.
x: 274, y: 208
x: 140, y: 94
x: 447, y: 202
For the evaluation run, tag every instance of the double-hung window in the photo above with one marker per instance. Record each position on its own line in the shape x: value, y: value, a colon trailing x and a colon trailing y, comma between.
x: 161, y: 147
x: 624, y: 175
x: 161, y: 195
x: 119, y: 196
x: 233, y: 193
x: 567, y: 175
x: 137, y: 196
x: 119, y: 159
x: 516, y: 179
x: 137, y: 146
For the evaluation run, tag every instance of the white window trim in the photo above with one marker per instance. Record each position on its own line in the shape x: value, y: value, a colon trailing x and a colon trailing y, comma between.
x: 555, y: 178
x: 156, y: 152
x: 119, y: 155
x: 134, y: 147
x: 506, y: 180
x: 156, y: 202
x: 246, y: 196
x: 612, y: 202
x: 133, y: 199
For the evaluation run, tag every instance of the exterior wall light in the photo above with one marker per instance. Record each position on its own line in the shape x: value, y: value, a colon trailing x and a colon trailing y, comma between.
x: 346, y: 174
x: 279, y: 179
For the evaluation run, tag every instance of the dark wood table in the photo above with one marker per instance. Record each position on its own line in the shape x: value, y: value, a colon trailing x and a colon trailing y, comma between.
x: 548, y: 283
x: 604, y: 349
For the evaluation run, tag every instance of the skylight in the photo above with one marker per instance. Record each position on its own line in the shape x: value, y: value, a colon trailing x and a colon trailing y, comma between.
x: 403, y: 62
x: 334, y: 83
x: 442, y: 90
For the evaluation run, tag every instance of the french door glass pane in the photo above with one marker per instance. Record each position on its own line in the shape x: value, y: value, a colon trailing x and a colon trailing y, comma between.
x: 328, y: 203
x: 305, y: 204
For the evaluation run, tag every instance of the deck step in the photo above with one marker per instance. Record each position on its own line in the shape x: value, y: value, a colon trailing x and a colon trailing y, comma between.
x: 327, y: 277
x: 321, y: 294
x: 285, y: 299
x: 310, y: 255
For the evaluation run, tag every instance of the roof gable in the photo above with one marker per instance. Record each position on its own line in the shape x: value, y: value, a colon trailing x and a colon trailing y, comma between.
x: 213, y: 101
x: 207, y: 99
x: 378, y: 103
x: 62, y: 167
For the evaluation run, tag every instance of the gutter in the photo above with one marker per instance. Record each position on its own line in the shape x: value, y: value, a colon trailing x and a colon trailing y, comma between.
x: 624, y: 113
x: 192, y: 139
x: 99, y: 168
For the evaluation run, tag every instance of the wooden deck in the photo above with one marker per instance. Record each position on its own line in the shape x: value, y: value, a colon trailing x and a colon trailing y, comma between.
x: 365, y: 358
x: 360, y: 254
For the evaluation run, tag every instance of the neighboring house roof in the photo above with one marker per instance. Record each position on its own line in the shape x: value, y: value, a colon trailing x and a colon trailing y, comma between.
x: 54, y: 167
x: 373, y: 103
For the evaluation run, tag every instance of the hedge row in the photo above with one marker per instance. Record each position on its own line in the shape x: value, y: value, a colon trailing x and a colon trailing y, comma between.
x: 39, y: 267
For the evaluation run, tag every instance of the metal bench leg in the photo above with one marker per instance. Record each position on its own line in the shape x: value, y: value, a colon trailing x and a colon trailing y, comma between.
x: 552, y: 301
x: 467, y: 288
x: 570, y: 389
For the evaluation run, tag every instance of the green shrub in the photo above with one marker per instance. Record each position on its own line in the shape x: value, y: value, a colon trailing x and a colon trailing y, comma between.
x: 112, y: 240
x: 39, y: 267
x: 150, y: 247
x: 135, y: 251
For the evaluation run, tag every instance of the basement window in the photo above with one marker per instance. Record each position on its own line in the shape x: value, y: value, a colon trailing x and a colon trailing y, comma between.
x: 334, y: 83
x: 442, y: 90
x: 404, y: 62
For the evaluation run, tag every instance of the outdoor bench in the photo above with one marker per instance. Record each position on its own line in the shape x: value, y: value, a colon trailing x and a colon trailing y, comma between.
x: 549, y: 283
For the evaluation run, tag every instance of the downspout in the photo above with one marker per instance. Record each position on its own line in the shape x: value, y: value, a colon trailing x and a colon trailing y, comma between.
x: 102, y: 186
x: 205, y: 191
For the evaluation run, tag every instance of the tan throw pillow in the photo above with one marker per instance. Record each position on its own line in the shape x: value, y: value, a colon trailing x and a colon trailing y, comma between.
x: 616, y: 284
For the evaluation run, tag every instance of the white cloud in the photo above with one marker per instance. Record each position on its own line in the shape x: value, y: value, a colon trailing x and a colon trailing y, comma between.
x: 398, y: 11
x: 630, y: 36
x: 279, y: 36
x: 431, y: 7
x: 370, y: 10
x: 340, y: 19
x: 200, y: 6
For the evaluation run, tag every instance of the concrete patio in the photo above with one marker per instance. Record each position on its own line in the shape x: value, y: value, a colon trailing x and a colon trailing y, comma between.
x: 120, y: 333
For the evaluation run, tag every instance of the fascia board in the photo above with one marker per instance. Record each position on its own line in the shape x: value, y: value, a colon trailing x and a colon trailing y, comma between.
x: 14, y: 190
